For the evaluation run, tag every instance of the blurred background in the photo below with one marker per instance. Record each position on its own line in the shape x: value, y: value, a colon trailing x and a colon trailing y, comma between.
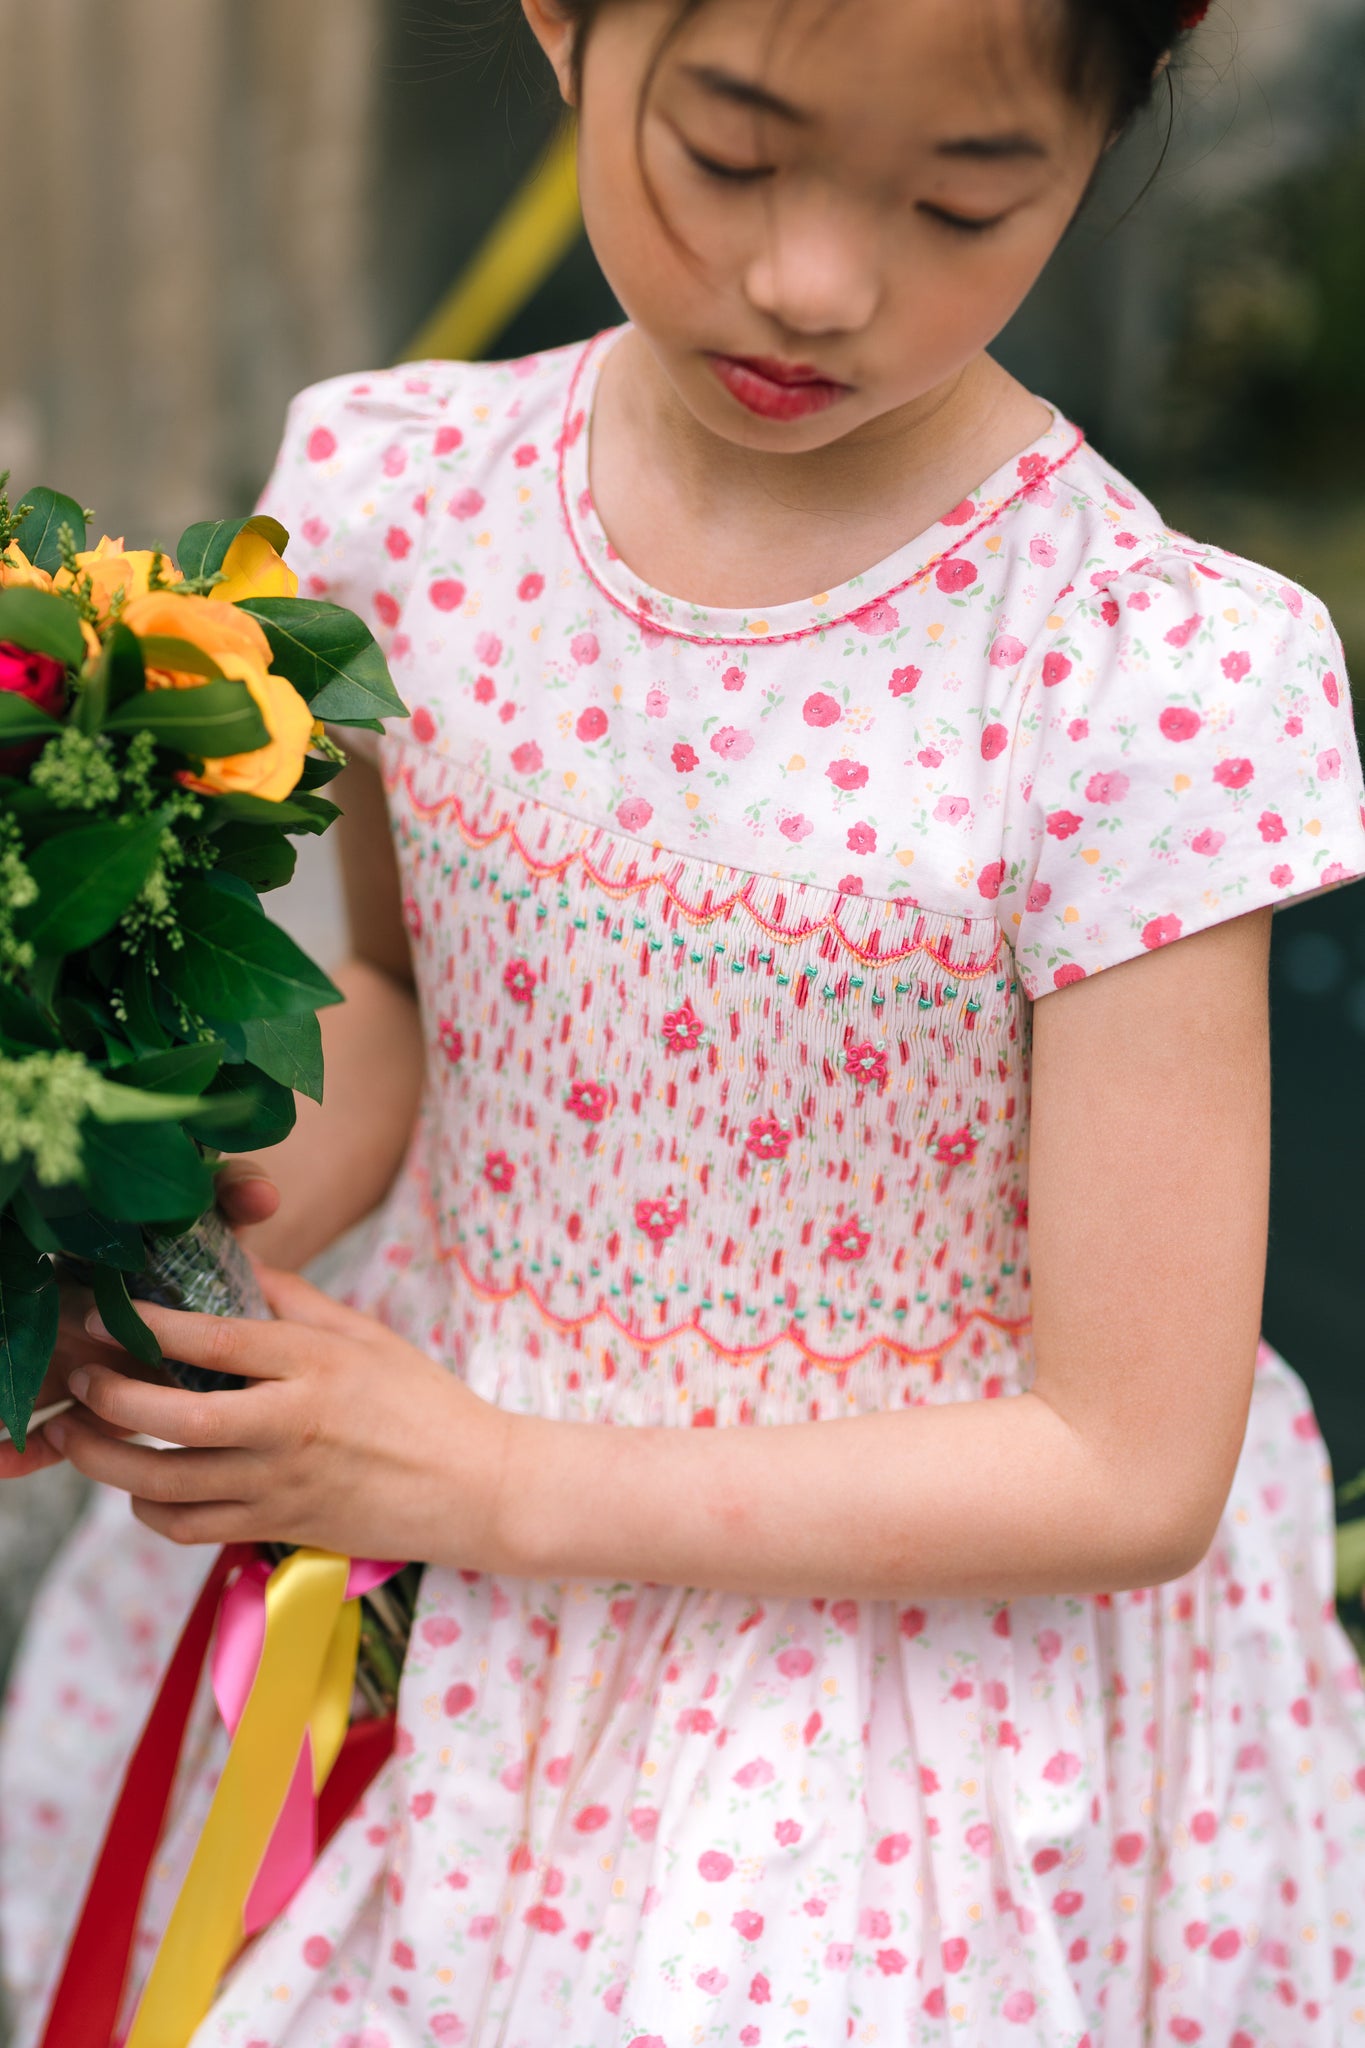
x: 210, y: 203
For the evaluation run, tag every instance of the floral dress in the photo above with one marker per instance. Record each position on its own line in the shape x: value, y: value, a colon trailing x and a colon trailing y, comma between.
x: 728, y: 929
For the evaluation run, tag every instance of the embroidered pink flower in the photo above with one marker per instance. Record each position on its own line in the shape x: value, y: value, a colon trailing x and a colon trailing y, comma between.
x: 890, y: 1962
x: 876, y: 619
x: 683, y: 758
x: 450, y: 1039
x: 448, y: 439
x: 734, y: 679
x: 847, y: 774
x: 1234, y: 774
x: 1039, y: 896
x: 848, y: 1241
x: 1331, y: 689
x: 747, y: 1925
x: 1063, y: 1768
x: 929, y: 757
x: 1329, y: 765
x: 682, y: 1029
x: 585, y: 649
x: 753, y: 1776
x: 485, y: 689
x: 530, y: 587
x: 1208, y: 843
x: 1043, y: 551
x: 867, y: 1065
x: 1079, y: 729
x: 1107, y: 789
x: 656, y: 703
x: 768, y: 1139
x: 732, y: 743
x: 904, y: 681
x: 1068, y: 976
x: 1179, y: 723
x: 1056, y: 669
x: 499, y: 1172
x: 861, y: 839
x: 760, y: 1992
x: 466, y: 504
x: 412, y: 916
x: 955, y: 576
x: 634, y: 814
x: 821, y: 709
x: 660, y: 1218
x: 951, y: 810
x: 1181, y: 636
x: 892, y: 1849
x: 1236, y: 667
x: 1162, y: 931
x: 958, y: 1148
x: 795, y: 827
x: 1064, y: 824
x: 587, y: 1100
x: 592, y: 723
x: 518, y: 978
x: 1007, y: 652
x: 1282, y: 877
x: 715, y: 1866
x: 447, y: 594
x: 525, y: 455
x: 527, y: 758
x: 994, y: 740
x: 488, y: 649
x: 961, y: 515
x: 991, y: 880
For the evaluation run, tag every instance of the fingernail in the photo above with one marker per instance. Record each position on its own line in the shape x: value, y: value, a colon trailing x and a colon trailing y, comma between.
x: 95, y: 1327
x: 79, y: 1382
x: 55, y: 1432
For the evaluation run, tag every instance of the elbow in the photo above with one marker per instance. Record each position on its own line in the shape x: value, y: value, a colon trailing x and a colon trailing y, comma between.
x: 1169, y: 1538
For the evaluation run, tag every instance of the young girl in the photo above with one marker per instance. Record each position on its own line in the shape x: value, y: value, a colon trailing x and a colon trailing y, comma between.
x: 813, y: 1331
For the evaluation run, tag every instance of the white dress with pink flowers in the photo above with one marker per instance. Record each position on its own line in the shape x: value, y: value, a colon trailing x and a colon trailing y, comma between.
x: 728, y: 929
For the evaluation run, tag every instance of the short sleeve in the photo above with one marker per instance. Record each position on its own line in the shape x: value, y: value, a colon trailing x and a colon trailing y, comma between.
x: 1185, y: 754
x: 350, y: 486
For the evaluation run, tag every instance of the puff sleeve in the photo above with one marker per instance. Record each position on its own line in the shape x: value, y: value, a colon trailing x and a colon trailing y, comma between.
x: 1185, y: 753
x: 351, y: 487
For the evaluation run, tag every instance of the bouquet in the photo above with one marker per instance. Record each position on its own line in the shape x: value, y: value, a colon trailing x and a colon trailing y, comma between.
x: 162, y: 742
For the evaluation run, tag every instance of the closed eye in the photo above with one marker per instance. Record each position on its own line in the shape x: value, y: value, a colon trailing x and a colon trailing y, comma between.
x: 963, y: 223
x: 732, y: 174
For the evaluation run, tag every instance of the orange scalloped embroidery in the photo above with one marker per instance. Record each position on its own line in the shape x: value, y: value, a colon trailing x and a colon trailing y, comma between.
x: 694, y: 914
x: 734, y: 1354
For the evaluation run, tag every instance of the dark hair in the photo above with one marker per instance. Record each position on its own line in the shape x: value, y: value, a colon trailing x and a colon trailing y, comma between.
x: 1106, y: 48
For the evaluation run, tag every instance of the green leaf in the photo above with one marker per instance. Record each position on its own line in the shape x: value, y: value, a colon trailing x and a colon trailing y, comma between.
x: 23, y: 1026
x: 241, y: 809
x: 210, y: 721
x: 86, y: 880
x: 163, y: 650
x: 204, y: 548
x: 330, y: 656
x: 43, y: 623
x: 267, y: 1110
x: 317, y: 773
x: 38, y: 534
x: 145, y: 1028
x: 145, y: 1173
x: 289, y: 1049
x: 121, y: 667
x: 1351, y: 1560
x: 187, y: 1069
x: 257, y: 854
x: 29, y: 1310
x: 112, y: 1103
x: 20, y: 720
x: 96, y: 1241
x: 121, y: 1319
x: 11, y: 1173
x: 238, y: 966
x: 233, y: 885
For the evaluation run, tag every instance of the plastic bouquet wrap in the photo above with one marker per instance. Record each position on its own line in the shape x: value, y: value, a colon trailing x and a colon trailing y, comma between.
x: 161, y: 745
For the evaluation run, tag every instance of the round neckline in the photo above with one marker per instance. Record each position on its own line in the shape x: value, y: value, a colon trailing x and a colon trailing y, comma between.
x: 657, y: 612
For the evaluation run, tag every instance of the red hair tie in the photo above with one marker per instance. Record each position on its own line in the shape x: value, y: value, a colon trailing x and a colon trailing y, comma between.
x: 1192, y: 13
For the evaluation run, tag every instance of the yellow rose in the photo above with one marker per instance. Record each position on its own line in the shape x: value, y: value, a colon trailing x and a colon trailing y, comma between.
x: 18, y: 573
x: 239, y: 647
x: 113, y: 568
x: 254, y: 569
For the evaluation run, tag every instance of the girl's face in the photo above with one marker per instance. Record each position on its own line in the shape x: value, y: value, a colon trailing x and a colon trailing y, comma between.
x: 829, y: 207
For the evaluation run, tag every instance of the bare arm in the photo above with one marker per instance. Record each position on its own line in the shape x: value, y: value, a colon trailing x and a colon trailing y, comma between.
x: 1148, y: 1198
x: 342, y: 1156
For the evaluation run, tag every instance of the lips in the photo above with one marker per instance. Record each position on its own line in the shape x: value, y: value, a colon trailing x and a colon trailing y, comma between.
x: 776, y: 390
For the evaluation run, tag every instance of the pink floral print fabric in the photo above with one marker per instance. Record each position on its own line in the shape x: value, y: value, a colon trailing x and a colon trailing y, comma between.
x: 727, y: 929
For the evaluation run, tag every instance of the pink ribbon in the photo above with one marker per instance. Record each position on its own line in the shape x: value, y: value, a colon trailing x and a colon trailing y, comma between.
x: 236, y: 1656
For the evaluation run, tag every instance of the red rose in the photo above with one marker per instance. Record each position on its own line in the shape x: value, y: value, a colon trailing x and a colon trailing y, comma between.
x: 1180, y: 724
x: 1064, y: 824
x: 684, y: 758
x: 847, y: 774
x: 592, y: 723
x: 40, y: 681
x: 1234, y: 774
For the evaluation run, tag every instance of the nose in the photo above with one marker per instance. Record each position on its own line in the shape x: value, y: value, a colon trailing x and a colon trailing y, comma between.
x: 816, y: 271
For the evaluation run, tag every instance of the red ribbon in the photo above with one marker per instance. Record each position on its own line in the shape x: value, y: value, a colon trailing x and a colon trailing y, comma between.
x: 86, y: 2004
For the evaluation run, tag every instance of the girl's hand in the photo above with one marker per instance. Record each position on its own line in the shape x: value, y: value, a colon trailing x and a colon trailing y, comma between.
x: 349, y: 1438
x: 246, y: 1195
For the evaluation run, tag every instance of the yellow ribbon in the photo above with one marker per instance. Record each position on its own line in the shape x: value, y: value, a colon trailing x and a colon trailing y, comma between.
x: 303, y: 1684
x: 535, y: 232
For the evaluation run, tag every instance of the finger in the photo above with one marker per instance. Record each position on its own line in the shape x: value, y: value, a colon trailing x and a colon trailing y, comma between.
x: 245, y: 1192
x: 39, y: 1456
x: 172, y: 1478
x: 296, y: 1300
x: 231, y: 1344
x: 227, y: 1421
x: 217, y: 1523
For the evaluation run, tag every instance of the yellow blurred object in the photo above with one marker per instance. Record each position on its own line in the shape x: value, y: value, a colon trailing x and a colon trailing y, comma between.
x: 114, y: 569
x: 254, y: 568
x: 537, y: 229
x: 233, y: 640
x: 18, y: 573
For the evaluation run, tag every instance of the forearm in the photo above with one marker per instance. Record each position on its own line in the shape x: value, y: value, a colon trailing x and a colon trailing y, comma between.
x: 342, y: 1156
x: 993, y: 1499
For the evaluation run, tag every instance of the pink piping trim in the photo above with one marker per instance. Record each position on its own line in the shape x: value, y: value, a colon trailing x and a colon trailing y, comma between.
x: 648, y: 623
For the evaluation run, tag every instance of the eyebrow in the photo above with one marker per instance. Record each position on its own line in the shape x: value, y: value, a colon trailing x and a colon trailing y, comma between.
x: 992, y: 148
x: 746, y: 92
